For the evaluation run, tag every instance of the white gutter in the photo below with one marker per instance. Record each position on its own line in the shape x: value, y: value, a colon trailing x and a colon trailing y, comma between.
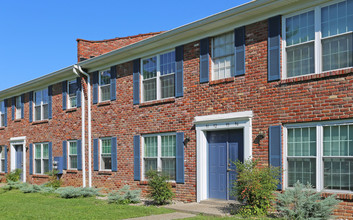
x: 79, y: 68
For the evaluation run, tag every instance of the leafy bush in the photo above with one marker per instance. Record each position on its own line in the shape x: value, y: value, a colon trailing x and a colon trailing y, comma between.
x: 72, y: 192
x: 54, y: 180
x: 28, y: 188
x: 303, y: 202
x: 159, y: 189
x: 124, y: 196
x: 14, y: 176
x: 255, y: 187
x: 13, y: 185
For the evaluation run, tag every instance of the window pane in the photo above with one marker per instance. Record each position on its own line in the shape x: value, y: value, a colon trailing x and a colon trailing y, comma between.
x: 45, y: 111
x: 338, y: 174
x: 2, y: 153
x: 223, y: 67
x: 45, y: 151
x: 38, y: 164
x: 72, y: 94
x: 38, y: 153
x: 104, y: 78
x: 168, y: 167
x: 337, y: 52
x: 73, y: 148
x: 167, y: 63
x: 223, y: 45
x: 18, y: 107
x: 149, y: 68
x: 302, y: 170
x: 106, y: 162
x: 302, y: 142
x: 300, y: 60
x: 335, y: 19
x: 168, y: 146
x: 167, y: 86
x: 2, y: 165
x: 105, y: 93
x: 337, y: 140
x: 106, y: 146
x: 45, y: 166
x: 45, y: 96
x: 38, y: 98
x: 73, y: 162
x: 300, y: 28
x: 149, y: 90
x: 72, y: 102
x: 150, y: 146
x: 150, y: 164
x: 38, y: 113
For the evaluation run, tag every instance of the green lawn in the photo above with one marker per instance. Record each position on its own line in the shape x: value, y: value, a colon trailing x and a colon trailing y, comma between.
x: 17, y: 205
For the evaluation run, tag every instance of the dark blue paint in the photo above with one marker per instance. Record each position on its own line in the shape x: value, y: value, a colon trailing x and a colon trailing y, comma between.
x: 19, y: 157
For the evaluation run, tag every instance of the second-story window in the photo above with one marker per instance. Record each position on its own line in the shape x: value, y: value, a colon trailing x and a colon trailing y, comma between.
x: 2, y: 114
x: 41, y: 105
x: 158, y: 77
x: 72, y: 88
x: 104, y: 85
x: 223, y: 56
x: 18, y: 107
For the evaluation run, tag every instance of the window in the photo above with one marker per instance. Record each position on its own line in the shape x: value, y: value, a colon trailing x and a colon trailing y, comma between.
x: 158, y: 77
x: 106, y: 154
x: 104, y: 85
x: 41, y: 158
x: 2, y: 159
x: 159, y: 154
x: 18, y: 107
x: 41, y: 107
x: 223, y: 56
x: 2, y: 114
x: 72, y: 154
x: 332, y: 42
x: 321, y: 155
x: 72, y: 88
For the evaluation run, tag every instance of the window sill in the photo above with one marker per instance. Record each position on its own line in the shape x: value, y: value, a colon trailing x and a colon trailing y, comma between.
x: 2, y: 128
x: 157, y: 102
x: 103, y: 103
x: 17, y: 120
x: 222, y: 81
x: 317, y: 76
x: 145, y: 182
x: 40, y: 176
x: 70, y: 110
x: 71, y: 171
x: 345, y: 196
x: 40, y: 122
x: 103, y: 172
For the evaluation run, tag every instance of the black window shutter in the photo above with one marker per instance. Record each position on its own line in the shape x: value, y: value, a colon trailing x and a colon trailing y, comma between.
x: 179, y: 157
x: 114, y: 154
x: 275, y: 149
x: 95, y: 87
x: 274, y: 47
x: 136, y: 81
x: 64, y: 94
x: 78, y: 92
x: 179, y: 57
x: 239, y: 41
x: 113, y: 83
x: 137, y: 168
x: 50, y: 106
x: 204, y: 60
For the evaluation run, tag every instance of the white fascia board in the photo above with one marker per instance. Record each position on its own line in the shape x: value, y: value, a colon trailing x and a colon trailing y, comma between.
x: 235, y: 116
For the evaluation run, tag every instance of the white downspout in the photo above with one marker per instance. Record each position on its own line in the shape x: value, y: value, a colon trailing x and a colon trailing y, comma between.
x: 83, y: 133
x: 89, y: 124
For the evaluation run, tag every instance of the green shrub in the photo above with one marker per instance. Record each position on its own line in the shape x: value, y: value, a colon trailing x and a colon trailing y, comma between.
x: 124, y: 196
x: 54, y: 180
x: 13, y: 185
x: 255, y: 187
x: 303, y: 202
x: 72, y: 192
x: 28, y: 188
x: 159, y: 189
x: 14, y: 176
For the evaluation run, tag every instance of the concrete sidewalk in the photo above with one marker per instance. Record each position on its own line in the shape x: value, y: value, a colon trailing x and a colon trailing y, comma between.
x: 169, y: 216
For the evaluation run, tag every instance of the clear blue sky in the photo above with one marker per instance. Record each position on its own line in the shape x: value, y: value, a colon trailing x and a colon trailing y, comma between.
x: 38, y: 37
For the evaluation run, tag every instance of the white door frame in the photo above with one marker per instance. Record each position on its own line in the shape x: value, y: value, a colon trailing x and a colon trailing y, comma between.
x: 18, y: 141
x: 236, y: 120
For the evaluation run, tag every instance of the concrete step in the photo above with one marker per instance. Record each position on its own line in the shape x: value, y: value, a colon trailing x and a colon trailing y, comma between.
x: 219, y: 202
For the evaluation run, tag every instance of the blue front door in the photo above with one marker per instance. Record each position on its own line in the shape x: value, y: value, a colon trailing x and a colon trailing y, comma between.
x: 224, y: 148
x: 19, y: 157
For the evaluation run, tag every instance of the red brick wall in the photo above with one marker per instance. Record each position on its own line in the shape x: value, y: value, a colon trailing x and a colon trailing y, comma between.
x: 325, y: 96
x: 87, y: 49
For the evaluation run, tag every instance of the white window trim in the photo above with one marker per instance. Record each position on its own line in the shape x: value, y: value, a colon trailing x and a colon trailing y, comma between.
x: 100, y: 153
x: 41, y: 158
x: 159, y: 152
x: 1, y: 159
x: 41, y: 105
x: 99, y: 85
x: 158, y: 77
x: 68, y: 154
x: 317, y: 40
x: 319, y: 152
x: 2, y: 102
x: 68, y: 94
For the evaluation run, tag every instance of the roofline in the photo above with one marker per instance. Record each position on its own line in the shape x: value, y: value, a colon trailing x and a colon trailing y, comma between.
x: 120, y: 38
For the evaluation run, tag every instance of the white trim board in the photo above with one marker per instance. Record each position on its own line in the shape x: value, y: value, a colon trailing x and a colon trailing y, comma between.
x: 236, y: 120
x: 18, y: 141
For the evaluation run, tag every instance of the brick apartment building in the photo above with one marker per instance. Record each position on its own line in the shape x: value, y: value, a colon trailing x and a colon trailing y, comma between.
x: 270, y: 79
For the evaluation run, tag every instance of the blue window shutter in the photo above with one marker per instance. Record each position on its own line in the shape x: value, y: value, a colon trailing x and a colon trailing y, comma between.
x: 137, y: 168
x: 13, y: 108
x: 5, y: 152
x: 114, y: 154
x: 204, y: 60
x: 65, y: 161
x: 5, y: 113
x: 136, y: 81
x: 113, y: 83
x: 59, y: 161
x: 79, y: 154
x: 30, y: 106
x: 275, y: 149
x: 22, y: 106
x: 50, y: 105
x: 95, y: 155
x: 179, y: 157
x: 274, y: 46
x: 50, y: 161
x: 30, y: 159
x: 64, y: 94
x: 179, y: 81
x: 95, y: 87
x: 239, y: 41
x: 78, y: 92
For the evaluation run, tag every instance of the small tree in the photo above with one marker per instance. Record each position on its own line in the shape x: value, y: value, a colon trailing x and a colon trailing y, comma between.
x: 255, y: 187
x: 303, y: 202
x: 54, y: 179
x: 14, y: 176
x: 159, y: 189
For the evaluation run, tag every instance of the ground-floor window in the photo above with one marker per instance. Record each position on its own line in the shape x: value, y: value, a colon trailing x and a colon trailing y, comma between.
x: 2, y: 158
x: 106, y: 154
x: 41, y: 158
x: 72, y: 154
x: 321, y: 154
x: 159, y: 154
